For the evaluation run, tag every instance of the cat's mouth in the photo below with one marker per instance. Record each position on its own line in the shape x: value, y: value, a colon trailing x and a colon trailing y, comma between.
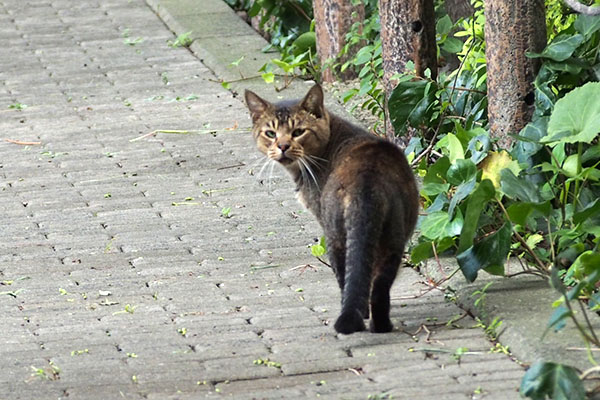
x: 285, y: 160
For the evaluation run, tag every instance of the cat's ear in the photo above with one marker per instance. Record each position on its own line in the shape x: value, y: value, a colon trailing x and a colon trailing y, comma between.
x: 313, y: 101
x: 256, y: 105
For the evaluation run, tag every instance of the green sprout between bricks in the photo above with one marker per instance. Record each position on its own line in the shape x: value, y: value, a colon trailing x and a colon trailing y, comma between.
x: 183, y: 40
x: 267, y: 363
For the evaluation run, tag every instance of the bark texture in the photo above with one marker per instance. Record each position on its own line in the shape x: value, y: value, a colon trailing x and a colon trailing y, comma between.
x: 458, y: 9
x: 333, y: 19
x: 512, y: 28
x: 407, y: 33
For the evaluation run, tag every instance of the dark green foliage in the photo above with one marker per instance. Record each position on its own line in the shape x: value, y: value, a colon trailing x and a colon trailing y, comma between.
x: 549, y: 380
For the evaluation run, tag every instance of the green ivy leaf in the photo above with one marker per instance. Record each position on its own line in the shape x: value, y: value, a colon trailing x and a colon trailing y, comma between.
x: 518, y: 189
x: 419, y: 113
x: 496, y: 161
x: 528, y: 140
x: 444, y: 25
x: 584, y: 266
x: 520, y: 212
x: 489, y: 254
x: 304, y: 42
x: 268, y: 77
x: 437, y: 172
x: 544, y: 96
x: 576, y: 117
x: 452, y: 147
x: 408, y: 101
x: 319, y: 249
x: 423, y: 251
x: 286, y: 67
x: 557, y: 381
x: 461, y: 171
x: 484, y: 192
x: 364, y: 55
x: 587, y: 25
x: 433, y: 189
x: 591, y: 154
x: 558, y: 319
x: 255, y: 9
x: 572, y: 66
x: 591, y: 210
x: 479, y: 147
x: 462, y: 191
x: 434, y: 225
x: 452, y: 45
x: 561, y: 48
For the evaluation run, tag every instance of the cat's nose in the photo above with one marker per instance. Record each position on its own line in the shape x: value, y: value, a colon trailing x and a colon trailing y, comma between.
x: 283, y: 147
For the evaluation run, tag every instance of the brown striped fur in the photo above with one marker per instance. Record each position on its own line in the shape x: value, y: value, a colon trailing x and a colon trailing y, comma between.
x: 359, y: 186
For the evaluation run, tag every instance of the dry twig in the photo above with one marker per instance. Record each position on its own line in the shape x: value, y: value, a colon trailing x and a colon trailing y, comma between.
x: 22, y: 142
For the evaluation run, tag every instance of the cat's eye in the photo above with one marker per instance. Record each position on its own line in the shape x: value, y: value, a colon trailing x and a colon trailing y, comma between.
x: 298, y: 132
x: 270, y: 134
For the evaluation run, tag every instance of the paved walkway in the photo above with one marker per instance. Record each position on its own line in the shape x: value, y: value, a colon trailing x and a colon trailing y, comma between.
x: 160, y: 268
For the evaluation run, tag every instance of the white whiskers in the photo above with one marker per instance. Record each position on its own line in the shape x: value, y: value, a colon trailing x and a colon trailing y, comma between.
x: 317, y: 162
x: 304, y: 169
x: 267, y: 164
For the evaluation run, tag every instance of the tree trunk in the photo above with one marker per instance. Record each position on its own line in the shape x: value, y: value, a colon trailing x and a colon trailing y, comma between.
x: 407, y: 33
x: 512, y: 28
x: 333, y: 19
x: 458, y: 9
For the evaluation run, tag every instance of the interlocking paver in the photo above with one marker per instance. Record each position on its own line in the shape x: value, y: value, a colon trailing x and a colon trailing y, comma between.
x: 120, y: 277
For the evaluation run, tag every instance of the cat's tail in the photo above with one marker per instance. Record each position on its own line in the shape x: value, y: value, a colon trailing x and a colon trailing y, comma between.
x: 364, y: 215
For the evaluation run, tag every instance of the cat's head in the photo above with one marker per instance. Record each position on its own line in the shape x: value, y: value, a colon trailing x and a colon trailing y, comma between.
x: 290, y: 131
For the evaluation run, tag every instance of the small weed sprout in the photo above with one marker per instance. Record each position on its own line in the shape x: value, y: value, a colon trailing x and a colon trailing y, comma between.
x: 79, y: 352
x: 128, y: 309
x: 50, y: 373
x: 267, y: 363
x: 17, y: 106
x: 461, y: 351
x: 183, y: 40
x: 132, y: 42
x: 226, y: 212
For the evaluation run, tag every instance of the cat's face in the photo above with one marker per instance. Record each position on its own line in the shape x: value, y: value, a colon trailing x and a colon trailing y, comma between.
x: 290, y: 133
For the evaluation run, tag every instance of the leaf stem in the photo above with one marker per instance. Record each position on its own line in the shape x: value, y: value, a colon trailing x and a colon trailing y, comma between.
x: 540, y: 265
x: 587, y: 338
x: 589, y: 324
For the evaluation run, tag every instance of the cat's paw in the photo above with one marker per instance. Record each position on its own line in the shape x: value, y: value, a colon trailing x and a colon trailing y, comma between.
x: 350, y: 322
x: 381, y: 326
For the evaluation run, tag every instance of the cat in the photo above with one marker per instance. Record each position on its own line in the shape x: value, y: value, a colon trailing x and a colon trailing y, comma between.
x: 361, y: 190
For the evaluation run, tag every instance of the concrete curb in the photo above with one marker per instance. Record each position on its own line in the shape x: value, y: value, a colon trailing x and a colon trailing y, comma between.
x: 523, y: 304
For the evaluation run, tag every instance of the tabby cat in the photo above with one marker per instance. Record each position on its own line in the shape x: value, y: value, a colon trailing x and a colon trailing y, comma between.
x: 359, y: 186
